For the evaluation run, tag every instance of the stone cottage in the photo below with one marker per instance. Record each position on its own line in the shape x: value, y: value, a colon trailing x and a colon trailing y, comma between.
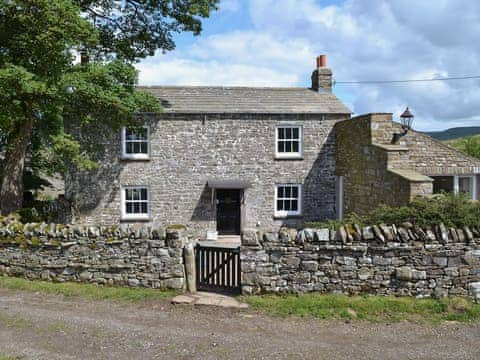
x: 220, y: 158
x: 230, y: 158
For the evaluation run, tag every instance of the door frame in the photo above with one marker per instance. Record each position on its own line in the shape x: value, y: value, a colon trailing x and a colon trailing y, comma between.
x: 241, y: 197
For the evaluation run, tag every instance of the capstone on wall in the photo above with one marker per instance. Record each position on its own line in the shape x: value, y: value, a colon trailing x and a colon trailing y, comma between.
x: 187, y: 150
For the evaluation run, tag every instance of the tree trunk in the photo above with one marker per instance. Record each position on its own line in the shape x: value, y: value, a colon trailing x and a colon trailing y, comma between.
x: 11, y: 192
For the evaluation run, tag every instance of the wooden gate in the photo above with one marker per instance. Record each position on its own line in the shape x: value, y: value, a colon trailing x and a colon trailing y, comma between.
x: 218, y: 268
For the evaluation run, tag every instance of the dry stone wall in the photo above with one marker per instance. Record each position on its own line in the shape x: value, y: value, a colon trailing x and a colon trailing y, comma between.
x: 124, y: 255
x: 384, y: 260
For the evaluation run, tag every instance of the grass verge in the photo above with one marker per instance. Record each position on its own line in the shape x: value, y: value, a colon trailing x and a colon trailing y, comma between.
x: 89, y: 291
x: 370, y: 308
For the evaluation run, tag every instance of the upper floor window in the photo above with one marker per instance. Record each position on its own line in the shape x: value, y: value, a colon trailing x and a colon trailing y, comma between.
x: 289, y: 141
x: 288, y: 200
x: 135, y: 142
x: 135, y: 202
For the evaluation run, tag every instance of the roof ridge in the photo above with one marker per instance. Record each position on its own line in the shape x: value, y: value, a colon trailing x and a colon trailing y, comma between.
x: 223, y: 87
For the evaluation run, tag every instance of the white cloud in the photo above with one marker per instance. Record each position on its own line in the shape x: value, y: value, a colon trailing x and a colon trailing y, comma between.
x: 364, y: 40
x: 189, y: 72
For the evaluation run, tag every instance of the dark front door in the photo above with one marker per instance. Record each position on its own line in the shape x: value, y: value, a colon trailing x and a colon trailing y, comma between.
x: 228, y: 212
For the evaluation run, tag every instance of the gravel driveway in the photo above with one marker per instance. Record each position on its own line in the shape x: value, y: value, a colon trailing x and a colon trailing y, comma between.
x: 39, y: 326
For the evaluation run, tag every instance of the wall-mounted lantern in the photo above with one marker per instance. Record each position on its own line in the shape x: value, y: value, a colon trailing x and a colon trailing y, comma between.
x: 406, y: 119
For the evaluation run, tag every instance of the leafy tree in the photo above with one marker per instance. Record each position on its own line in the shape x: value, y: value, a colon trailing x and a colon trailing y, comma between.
x: 133, y: 29
x: 41, y: 89
x: 469, y: 145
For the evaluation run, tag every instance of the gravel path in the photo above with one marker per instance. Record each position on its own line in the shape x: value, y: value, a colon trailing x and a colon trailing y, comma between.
x: 39, y: 326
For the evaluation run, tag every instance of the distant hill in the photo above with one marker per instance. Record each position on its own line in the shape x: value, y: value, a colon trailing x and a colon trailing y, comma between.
x: 454, y: 133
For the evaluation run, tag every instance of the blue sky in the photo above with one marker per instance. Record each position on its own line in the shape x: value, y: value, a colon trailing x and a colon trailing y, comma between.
x: 275, y: 42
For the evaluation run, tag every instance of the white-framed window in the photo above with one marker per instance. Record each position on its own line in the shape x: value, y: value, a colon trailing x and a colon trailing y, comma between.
x: 466, y: 184
x: 135, y: 202
x: 458, y: 184
x: 288, y: 141
x: 135, y: 142
x: 288, y: 200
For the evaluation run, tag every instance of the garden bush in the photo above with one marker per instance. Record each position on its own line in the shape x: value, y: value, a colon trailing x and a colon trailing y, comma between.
x: 449, y: 209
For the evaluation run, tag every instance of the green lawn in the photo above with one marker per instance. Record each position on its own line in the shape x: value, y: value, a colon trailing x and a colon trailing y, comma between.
x: 86, y: 290
x: 370, y: 308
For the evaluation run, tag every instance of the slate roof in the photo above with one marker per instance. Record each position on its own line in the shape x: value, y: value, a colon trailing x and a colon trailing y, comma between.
x: 245, y: 100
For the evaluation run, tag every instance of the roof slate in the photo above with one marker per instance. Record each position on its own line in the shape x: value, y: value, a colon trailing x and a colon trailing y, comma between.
x: 246, y: 100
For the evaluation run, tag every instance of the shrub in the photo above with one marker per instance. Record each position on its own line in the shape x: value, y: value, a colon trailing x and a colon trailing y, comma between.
x: 452, y: 210
x: 40, y: 211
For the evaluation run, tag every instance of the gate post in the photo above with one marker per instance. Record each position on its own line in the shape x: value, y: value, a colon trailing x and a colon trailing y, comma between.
x: 189, y: 256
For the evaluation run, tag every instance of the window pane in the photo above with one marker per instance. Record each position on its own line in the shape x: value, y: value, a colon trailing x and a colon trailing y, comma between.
x: 144, y: 148
x: 129, y: 208
x: 295, y: 192
x: 465, y: 185
x: 288, y: 146
x: 280, y: 205
x: 143, y: 194
x: 294, y: 205
x: 281, y: 133
x: 288, y: 133
x: 281, y: 147
x: 136, y: 208
x: 288, y: 192
x: 141, y: 133
x: 128, y: 194
x: 129, y: 135
x: 136, y: 194
x: 295, y: 146
x: 143, y: 207
x: 286, y: 205
x: 295, y: 133
x: 280, y: 192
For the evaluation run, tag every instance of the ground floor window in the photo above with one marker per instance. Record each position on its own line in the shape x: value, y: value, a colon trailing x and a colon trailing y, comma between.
x: 288, y: 200
x: 135, y: 202
x: 466, y: 184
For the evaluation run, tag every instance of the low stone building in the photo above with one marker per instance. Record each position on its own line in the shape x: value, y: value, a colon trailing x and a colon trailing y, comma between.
x: 372, y: 170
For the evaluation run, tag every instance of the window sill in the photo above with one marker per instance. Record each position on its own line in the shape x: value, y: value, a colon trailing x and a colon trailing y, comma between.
x: 135, y: 219
x: 284, y: 157
x: 135, y: 158
x: 283, y: 217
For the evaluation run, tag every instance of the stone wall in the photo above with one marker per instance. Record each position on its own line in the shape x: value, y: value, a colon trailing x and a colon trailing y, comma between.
x: 187, y: 150
x: 385, y: 260
x: 127, y: 256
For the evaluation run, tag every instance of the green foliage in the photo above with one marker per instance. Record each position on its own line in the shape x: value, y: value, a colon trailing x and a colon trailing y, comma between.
x: 135, y: 29
x: 42, y: 90
x: 39, y: 211
x: 469, y: 145
x: 86, y: 290
x: 450, y: 209
x: 370, y: 308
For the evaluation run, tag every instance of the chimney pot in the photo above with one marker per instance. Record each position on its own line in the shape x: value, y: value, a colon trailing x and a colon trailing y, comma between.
x: 321, y: 61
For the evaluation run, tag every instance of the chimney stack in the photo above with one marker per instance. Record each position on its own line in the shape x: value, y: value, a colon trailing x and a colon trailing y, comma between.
x: 322, y: 78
